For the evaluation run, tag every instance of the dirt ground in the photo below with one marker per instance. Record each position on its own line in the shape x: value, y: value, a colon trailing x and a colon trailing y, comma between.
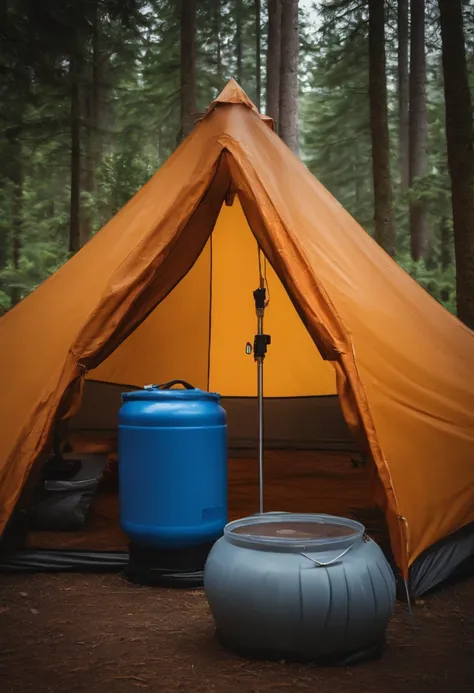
x: 68, y: 633
x: 95, y: 633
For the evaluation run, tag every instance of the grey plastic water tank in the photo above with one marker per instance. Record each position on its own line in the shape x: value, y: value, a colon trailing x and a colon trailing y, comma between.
x: 299, y: 587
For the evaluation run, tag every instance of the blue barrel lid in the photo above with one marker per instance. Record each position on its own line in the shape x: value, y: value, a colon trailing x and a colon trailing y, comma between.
x: 153, y: 393
x: 294, y: 531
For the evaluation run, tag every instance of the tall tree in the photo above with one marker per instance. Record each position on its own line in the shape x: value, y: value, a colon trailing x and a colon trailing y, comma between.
x: 96, y: 89
x: 383, y: 196
x: 335, y: 113
x: 460, y: 142
x: 273, y: 60
x: 288, y: 110
x: 217, y: 30
x: 258, y: 32
x: 14, y: 115
x: 418, y: 126
x: 403, y: 30
x: 238, y: 38
x: 17, y: 177
x: 188, y: 66
x: 88, y: 98
x: 75, y: 115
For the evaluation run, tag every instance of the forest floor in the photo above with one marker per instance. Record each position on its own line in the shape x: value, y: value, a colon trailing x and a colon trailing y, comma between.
x: 99, y: 633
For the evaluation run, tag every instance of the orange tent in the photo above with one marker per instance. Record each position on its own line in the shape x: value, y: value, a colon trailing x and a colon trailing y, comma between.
x: 154, y: 296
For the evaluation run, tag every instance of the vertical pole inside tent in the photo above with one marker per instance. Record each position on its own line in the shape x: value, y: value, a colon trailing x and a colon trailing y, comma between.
x: 260, y: 411
x: 261, y: 342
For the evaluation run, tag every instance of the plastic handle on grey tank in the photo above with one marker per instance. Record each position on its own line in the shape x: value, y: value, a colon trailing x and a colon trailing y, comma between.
x: 334, y: 560
x: 168, y: 386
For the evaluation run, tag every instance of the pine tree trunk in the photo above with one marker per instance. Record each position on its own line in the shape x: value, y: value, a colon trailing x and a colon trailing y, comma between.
x: 11, y: 240
x: 17, y: 215
x: 102, y: 77
x: 358, y: 180
x: 91, y: 111
x: 383, y: 198
x: 88, y: 169
x: 288, y: 129
x: 238, y: 39
x: 273, y: 61
x: 445, y: 237
x: 418, y: 126
x: 460, y: 141
x: 446, y: 259
x: 3, y: 248
x: 403, y: 92
x: 75, y: 201
x: 13, y: 167
x: 217, y: 29
x: 258, y: 67
x: 188, y: 66
x: 96, y: 90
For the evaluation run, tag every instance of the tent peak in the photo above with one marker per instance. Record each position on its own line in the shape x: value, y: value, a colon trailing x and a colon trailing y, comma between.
x: 234, y: 94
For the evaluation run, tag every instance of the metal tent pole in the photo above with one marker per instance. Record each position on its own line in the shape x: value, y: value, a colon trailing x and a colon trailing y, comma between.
x: 260, y: 420
x: 260, y: 349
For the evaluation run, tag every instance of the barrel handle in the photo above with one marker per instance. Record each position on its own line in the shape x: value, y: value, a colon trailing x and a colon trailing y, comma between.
x: 320, y: 564
x: 168, y: 386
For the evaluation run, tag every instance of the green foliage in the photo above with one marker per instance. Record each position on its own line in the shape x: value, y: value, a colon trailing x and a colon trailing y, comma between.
x: 40, y: 40
x: 336, y: 141
x: 121, y: 175
x: 38, y: 261
x: 139, y: 83
x: 438, y: 281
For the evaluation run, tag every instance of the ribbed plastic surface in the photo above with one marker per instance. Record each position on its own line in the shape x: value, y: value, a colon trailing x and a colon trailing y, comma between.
x: 172, y: 467
x: 300, y: 587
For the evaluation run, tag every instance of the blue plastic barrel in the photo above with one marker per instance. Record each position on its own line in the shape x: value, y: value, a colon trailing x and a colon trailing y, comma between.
x: 172, y: 466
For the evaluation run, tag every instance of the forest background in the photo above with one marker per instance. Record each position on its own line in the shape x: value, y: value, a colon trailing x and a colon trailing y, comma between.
x: 375, y: 96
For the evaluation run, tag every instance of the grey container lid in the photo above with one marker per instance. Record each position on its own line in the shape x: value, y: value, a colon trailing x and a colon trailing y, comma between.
x: 294, y: 531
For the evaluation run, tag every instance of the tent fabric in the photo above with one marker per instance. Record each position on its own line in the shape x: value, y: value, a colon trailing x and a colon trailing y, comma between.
x: 291, y: 423
x: 219, y: 286
x: 402, y: 363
